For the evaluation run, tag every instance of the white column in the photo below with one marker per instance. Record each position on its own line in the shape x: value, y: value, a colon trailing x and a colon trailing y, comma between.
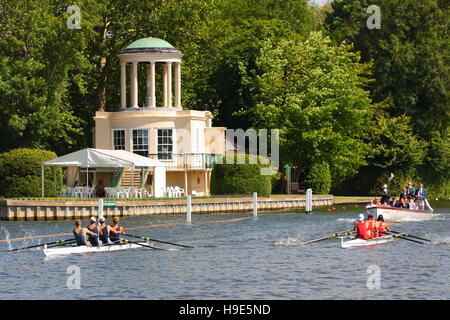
x: 134, y: 85
x: 169, y: 84
x: 151, y: 96
x: 123, y: 85
x: 177, y: 84
x: 165, y: 95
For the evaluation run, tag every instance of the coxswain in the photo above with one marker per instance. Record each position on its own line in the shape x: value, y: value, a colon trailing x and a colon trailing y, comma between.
x: 80, y: 233
x: 95, y: 232
x: 104, y: 228
x: 361, y: 228
x: 370, y: 226
x: 116, y: 230
x: 381, y: 227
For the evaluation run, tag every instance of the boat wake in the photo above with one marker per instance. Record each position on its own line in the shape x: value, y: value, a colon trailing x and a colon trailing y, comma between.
x: 440, y: 240
x: 289, y: 241
x: 6, y: 232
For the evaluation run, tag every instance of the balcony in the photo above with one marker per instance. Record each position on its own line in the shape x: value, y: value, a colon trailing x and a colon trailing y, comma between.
x: 187, y: 161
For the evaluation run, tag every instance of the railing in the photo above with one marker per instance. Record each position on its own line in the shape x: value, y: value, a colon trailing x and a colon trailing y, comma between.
x: 184, y: 161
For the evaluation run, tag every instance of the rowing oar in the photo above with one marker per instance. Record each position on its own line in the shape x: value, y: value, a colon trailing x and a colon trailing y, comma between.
x: 408, y: 235
x: 154, y: 240
x: 43, y: 244
x: 400, y: 237
x: 343, y: 233
x: 140, y: 244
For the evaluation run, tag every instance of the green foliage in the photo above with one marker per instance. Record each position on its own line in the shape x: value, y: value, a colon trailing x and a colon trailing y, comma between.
x: 410, y: 67
x: 20, y: 173
x: 241, y: 176
x: 319, y: 178
x: 313, y: 91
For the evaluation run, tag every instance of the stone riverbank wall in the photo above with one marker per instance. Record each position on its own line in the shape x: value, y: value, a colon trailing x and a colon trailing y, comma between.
x: 30, y: 210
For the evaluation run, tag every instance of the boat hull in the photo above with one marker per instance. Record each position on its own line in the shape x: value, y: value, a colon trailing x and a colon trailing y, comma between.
x: 362, y: 243
x: 399, y: 214
x: 86, y: 249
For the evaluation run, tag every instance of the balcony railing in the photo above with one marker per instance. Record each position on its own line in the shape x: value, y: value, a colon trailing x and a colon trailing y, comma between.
x: 186, y: 161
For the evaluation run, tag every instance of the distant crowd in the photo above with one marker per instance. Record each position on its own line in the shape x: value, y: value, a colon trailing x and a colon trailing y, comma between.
x: 411, y: 198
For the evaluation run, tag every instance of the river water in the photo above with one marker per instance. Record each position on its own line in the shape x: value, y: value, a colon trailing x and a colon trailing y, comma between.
x: 236, y: 258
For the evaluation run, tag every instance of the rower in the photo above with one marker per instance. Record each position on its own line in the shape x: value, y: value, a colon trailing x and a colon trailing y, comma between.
x: 116, y: 230
x: 94, y: 233
x: 370, y: 226
x: 361, y: 228
x: 104, y: 237
x: 381, y: 227
x: 80, y: 233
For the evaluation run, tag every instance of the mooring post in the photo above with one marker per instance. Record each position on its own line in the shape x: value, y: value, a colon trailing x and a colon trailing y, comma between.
x: 188, y: 208
x: 100, y: 208
x: 255, y: 204
x: 308, y: 205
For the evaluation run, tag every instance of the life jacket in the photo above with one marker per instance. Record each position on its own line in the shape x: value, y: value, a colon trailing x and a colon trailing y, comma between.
x: 114, y: 234
x: 93, y: 239
x: 79, y: 237
x: 370, y: 229
x: 361, y: 230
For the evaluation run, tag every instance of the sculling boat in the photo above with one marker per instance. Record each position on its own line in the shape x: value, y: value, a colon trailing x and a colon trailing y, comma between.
x: 86, y: 249
x: 358, y: 242
x: 399, y: 214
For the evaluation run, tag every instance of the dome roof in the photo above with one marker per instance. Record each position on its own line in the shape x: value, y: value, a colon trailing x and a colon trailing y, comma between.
x: 150, y: 45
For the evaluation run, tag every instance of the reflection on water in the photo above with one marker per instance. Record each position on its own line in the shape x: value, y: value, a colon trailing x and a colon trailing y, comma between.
x: 259, y: 258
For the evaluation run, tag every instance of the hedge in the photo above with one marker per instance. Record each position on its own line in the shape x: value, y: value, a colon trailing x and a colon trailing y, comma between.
x: 20, y: 173
x: 319, y: 178
x: 243, y: 178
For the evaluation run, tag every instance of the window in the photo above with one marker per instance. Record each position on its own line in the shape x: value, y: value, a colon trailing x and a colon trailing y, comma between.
x: 165, y: 144
x: 119, y: 139
x: 140, y: 142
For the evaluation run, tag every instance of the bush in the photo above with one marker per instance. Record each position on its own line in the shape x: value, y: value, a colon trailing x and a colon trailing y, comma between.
x: 243, y: 178
x: 319, y: 178
x: 20, y: 173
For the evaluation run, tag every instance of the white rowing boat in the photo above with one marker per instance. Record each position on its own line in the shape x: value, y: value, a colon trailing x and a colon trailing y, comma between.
x: 399, y: 214
x: 87, y: 249
x: 358, y: 242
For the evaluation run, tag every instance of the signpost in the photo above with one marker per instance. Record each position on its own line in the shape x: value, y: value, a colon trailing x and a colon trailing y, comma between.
x: 109, y: 204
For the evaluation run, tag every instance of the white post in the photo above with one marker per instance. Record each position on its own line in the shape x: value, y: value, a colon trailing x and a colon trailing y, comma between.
x: 255, y: 204
x: 42, y: 181
x: 100, y: 208
x: 308, y: 205
x: 188, y: 208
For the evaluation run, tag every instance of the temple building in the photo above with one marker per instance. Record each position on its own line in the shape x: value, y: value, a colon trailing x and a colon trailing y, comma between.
x: 152, y: 122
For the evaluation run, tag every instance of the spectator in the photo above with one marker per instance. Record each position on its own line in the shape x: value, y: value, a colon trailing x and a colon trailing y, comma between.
x: 385, y: 195
x: 410, y: 189
x: 412, y: 205
x: 421, y: 195
x: 100, y: 190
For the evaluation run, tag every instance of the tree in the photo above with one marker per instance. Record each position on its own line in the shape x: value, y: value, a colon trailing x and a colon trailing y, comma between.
x: 313, y: 91
x: 410, y: 67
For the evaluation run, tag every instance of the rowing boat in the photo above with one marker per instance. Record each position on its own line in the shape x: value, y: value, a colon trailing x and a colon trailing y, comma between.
x: 399, y: 214
x: 358, y: 242
x: 87, y: 249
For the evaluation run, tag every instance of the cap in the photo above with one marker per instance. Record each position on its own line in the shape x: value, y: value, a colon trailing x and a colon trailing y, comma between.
x: 101, y: 219
x: 92, y: 219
